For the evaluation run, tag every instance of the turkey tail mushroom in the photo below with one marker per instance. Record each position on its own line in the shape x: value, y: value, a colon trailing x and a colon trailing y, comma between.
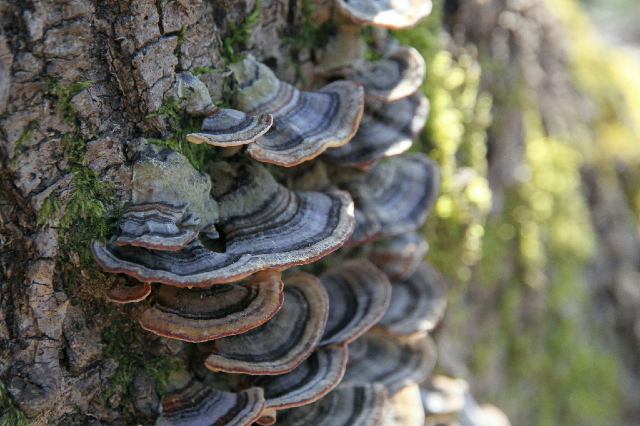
x: 264, y: 225
x: 417, y: 303
x: 282, y: 343
x: 358, y: 297
x: 386, y: 129
x: 202, y: 314
x: 304, y: 123
x: 346, y: 405
x: 398, y: 257
x: 378, y: 357
x: 194, y: 404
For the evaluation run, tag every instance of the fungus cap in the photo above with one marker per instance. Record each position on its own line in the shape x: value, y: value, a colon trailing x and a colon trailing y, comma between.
x: 385, y: 13
x: 282, y: 343
x: 202, y: 314
x: 417, y: 303
x: 386, y: 129
x: 129, y: 293
x: 264, y: 224
x: 346, y: 405
x: 359, y: 294
x: 304, y: 123
x: 309, y: 381
x: 378, y: 357
x: 398, y: 74
x: 196, y: 405
x: 228, y: 127
x: 397, y: 193
x: 398, y: 257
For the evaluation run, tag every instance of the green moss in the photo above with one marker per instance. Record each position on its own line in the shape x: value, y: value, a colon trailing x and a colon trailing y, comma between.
x: 183, y: 123
x: 235, y: 42
x: 10, y: 414
x: 125, y: 342
x: 49, y: 212
x: 206, y: 70
x: 63, y: 106
x: 25, y: 135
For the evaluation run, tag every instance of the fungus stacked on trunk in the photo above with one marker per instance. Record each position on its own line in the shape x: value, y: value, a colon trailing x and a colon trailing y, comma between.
x: 336, y: 349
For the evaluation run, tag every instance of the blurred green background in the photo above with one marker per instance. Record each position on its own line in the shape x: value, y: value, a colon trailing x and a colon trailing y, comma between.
x: 535, y: 113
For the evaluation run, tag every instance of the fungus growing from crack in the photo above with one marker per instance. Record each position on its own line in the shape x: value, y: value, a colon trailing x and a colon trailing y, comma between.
x: 398, y: 257
x: 346, y: 405
x: 170, y: 201
x: 207, y: 313
x: 396, y: 75
x: 220, y: 127
x: 417, y: 303
x: 386, y: 129
x: 385, y: 13
x: 264, y: 226
x: 312, y: 379
x: 282, y: 343
x: 304, y: 123
x: 129, y: 293
x: 397, y: 194
x: 190, y: 403
x: 358, y: 297
x: 378, y: 357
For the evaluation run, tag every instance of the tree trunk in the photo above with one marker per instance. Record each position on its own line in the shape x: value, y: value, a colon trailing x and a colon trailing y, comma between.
x: 78, y: 79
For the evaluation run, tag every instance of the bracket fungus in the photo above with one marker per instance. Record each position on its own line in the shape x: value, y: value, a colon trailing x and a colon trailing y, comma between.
x: 207, y: 313
x: 385, y: 13
x: 304, y: 123
x: 170, y: 201
x: 264, y: 226
x: 417, y: 302
x: 344, y: 53
x: 312, y: 379
x: 346, y: 405
x: 378, y: 357
x: 396, y: 75
x: 386, y: 129
x: 282, y: 343
x: 194, y: 404
x: 221, y: 126
x: 358, y: 297
x: 397, y: 194
x: 398, y: 257
x: 129, y: 293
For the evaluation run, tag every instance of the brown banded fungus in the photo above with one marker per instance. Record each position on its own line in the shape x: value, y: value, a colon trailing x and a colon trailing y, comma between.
x: 377, y: 357
x: 417, y: 302
x: 358, y: 297
x: 221, y: 127
x: 264, y: 226
x: 129, y: 293
x: 385, y: 13
x: 194, y: 404
x: 170, y: 201
x: 397, y: 194
x: 207, y: 313
x: 304, y: 123
x: 346, y: 405
x: 311, y: 380
x: 396, y: 75
x: 282, y: 343
x: 398, y: 257
x: 386, y: 129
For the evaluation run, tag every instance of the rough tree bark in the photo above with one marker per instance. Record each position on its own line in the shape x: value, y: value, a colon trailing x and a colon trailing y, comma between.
x: 55, y: 361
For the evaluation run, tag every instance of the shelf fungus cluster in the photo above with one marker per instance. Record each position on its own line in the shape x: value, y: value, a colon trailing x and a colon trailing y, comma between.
x: 342, y: 342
